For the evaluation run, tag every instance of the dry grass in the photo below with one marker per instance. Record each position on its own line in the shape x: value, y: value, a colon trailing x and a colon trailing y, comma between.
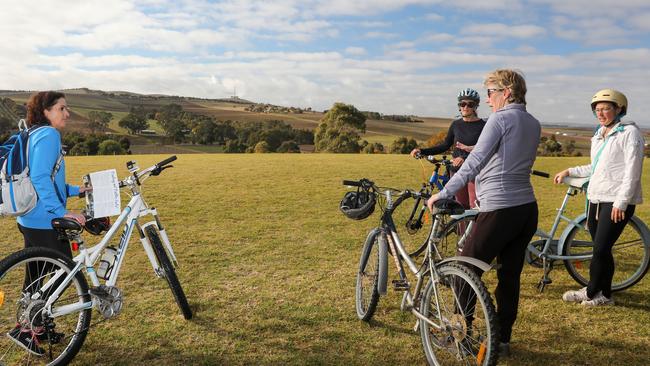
x: 268, y: 265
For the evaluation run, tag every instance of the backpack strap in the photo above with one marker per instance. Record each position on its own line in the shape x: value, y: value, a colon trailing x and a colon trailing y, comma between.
x: 57, y: 165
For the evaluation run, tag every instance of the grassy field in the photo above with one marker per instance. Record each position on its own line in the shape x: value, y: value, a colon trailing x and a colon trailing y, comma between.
x: 268, y: 264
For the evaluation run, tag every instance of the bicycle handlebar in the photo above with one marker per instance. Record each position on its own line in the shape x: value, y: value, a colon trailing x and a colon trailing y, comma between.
x: 166, y: 161
x: 432, y: 159
x: 365, y: 183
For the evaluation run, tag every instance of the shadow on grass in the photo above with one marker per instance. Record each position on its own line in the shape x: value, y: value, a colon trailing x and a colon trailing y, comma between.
x: 632, y: 300
x: 580, y: 351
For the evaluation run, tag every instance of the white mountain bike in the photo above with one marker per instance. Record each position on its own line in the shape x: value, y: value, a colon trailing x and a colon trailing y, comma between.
x: 45, y: 297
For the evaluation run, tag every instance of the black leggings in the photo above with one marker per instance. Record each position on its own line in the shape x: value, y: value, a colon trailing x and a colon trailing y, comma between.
x: 47, y: 238
x: 604, y: 233
x: 503, y: 234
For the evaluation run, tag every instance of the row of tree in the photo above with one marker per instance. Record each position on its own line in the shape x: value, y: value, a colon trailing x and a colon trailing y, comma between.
x: 80, y: 144
x: 390, y: 117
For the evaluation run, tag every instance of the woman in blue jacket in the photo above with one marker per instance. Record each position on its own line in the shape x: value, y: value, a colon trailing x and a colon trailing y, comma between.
x: 47, y: 113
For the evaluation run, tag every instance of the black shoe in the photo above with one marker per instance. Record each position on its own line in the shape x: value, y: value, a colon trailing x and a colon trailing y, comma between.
x: 25, y: 340
x: 504, y: 350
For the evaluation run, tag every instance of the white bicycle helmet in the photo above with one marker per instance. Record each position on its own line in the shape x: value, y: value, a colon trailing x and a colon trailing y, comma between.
x: 469, y: 93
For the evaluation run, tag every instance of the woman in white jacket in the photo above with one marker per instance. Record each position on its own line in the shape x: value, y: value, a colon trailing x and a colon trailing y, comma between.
x: 614, y: 190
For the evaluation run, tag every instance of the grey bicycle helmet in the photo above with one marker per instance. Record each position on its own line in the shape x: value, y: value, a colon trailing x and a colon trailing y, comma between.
x: 469, y: 93
x: 358, y: 205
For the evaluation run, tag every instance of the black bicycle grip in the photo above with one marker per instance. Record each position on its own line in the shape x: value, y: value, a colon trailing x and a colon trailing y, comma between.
x: 166, y: 161
x: 541, y: 174
x: 353, y: 183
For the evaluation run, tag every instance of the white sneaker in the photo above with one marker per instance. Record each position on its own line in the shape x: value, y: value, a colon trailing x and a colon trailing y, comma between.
x: 576, y: 295
x: 598, y: 300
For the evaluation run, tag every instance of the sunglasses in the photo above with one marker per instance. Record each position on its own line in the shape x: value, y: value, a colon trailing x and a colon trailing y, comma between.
x: 467, y: 104
x: 490, y: 91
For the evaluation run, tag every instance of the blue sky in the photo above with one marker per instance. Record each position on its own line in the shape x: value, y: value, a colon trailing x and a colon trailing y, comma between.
x: 390, y: 56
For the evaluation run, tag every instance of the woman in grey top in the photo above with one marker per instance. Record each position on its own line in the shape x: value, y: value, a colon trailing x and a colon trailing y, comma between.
x: 501, y: 163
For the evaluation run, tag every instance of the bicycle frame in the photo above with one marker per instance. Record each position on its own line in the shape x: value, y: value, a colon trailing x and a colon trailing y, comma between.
x: 87, y: 257
x: 428, y: 267
x: 548, y: 238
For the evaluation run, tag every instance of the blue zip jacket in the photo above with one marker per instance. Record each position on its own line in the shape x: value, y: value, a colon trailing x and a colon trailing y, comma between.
x: 44, y: 150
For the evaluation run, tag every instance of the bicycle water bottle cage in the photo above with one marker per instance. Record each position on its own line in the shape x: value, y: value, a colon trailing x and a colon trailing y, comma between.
x: 67, y: 227
x: 448, y: 207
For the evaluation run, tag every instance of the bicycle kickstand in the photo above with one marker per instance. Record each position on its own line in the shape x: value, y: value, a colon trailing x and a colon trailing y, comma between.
x: 546, y: 279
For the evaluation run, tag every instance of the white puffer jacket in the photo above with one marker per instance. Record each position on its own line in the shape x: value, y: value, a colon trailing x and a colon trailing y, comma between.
x: 617, y: 177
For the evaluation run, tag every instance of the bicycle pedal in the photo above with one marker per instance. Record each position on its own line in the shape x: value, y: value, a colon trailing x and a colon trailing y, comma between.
x: 401, y: 285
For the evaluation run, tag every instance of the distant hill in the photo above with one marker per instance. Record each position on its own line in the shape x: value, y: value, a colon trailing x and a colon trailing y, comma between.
x: 83, y: 100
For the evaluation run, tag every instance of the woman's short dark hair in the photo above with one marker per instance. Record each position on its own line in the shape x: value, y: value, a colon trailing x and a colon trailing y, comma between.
x: 37, y: 105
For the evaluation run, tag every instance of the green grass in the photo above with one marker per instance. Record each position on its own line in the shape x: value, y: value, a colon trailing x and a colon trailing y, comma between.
x: 268, y: 264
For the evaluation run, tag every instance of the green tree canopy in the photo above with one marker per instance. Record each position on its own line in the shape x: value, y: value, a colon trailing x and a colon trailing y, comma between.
x: 339, y: 129
x: 134, y: 123
x: 403, y: 145
x: 110, y: 147
x: 99, y: 120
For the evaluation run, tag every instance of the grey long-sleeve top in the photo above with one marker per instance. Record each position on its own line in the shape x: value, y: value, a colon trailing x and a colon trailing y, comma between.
x: 501, y: 160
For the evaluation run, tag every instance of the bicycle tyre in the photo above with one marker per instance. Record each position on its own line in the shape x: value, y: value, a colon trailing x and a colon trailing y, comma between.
x: 368, y: 277
x: 448, y: 245
x: 631, y: 255
x: 452, y: 240
x: 169, y: 273
x: 15, y: 282
x: 458, y: 341
x: 418, y: 221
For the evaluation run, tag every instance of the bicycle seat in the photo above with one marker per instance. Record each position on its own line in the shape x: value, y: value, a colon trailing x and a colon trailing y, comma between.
x: 64, y: 224
x: 448, y: 207
x: 575, y: 182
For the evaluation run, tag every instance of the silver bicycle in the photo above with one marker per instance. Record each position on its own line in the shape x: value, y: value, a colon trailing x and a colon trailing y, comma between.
x: 46, y: 298
x: 574, y: 247
x: 453, y: 309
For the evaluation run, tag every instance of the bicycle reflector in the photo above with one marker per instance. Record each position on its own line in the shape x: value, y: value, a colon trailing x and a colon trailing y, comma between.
x: 98, y: 225
x: 358, y: 205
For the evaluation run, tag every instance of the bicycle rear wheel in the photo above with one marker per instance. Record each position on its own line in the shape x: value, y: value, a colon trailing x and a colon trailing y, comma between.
x: 464, y: 328
x: 456, y: 233
x: 367, y: 291
x: 30, y: 336
x: 631, y: 255
x: 169, y: 273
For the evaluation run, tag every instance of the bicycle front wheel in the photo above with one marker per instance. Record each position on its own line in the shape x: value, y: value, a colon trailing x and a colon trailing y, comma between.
x: 631, y: 255
x: 367, y: 291
x: 31, y: 336
x: 463, y: 328
x: 169, y: 273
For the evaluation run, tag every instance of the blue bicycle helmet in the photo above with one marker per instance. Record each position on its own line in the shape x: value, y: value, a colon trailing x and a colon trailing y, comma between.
x: 469, y: 93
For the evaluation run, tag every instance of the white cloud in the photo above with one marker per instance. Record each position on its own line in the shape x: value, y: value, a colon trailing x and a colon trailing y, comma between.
x: 377, y: 34
x: 433, y: 17
x: 355, y: 51
x: 504, y: 30
x: 292, y: 52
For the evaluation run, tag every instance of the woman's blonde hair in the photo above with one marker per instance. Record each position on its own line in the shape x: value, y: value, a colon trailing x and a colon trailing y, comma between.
x: 509, y: 79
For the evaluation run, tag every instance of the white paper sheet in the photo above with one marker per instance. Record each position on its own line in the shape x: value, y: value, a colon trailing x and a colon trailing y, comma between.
x: 104, y: 200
